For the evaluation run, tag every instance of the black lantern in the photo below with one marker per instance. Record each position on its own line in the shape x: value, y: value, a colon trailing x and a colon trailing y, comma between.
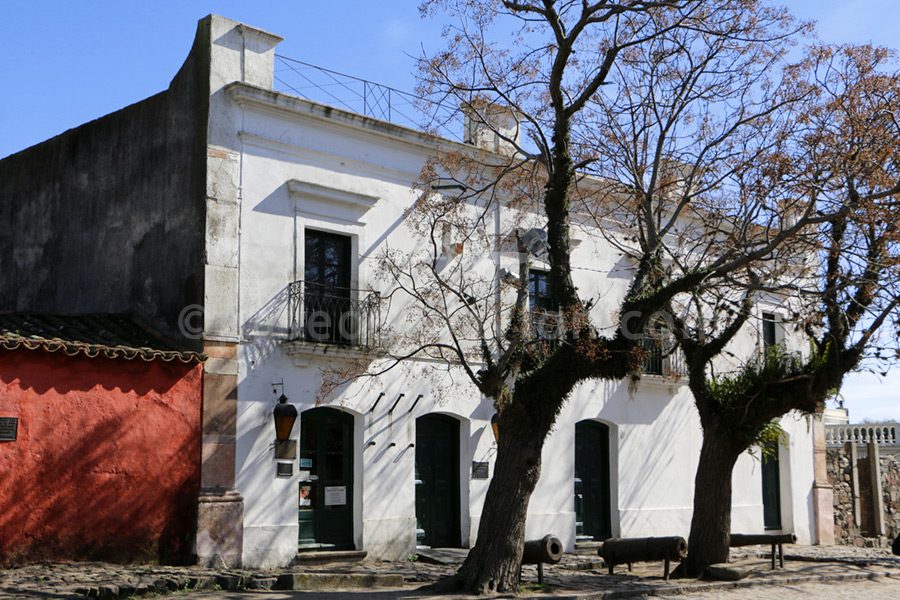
x: 495, y: 428
x: 285, y: 415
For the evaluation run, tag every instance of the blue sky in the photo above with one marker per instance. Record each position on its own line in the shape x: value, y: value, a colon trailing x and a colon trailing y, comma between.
x: 66, y: 63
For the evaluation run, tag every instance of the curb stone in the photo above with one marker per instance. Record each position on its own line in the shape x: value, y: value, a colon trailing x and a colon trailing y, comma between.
x: 688, y: 588
x: 234, y: 582
x: 201, y: 582
x: 263, y: 583
x: 230, y: 582
x: 332, y: 581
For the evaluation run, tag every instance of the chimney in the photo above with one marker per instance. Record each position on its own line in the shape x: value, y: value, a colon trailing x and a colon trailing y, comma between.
x: 491, y: 127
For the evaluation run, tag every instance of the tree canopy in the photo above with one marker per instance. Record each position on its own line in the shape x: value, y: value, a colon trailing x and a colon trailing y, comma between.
x: 682, y: 135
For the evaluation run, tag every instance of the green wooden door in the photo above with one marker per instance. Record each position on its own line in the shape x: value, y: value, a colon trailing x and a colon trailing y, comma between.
x: 592, y: 493
x: 771, y: 488
x: 326, y: 480
x: 437, y: 481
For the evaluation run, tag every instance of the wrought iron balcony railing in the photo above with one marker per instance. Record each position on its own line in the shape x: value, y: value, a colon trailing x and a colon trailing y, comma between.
x: 547, y: 328
x: 788, y: 359
x: 661, y: 357
x: 334, y: 315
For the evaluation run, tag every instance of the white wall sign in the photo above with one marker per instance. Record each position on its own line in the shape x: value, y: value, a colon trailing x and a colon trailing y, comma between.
x: 335, y: 495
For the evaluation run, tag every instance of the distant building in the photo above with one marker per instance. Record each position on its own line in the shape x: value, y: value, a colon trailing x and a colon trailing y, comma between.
x: 227, y: 215
x: 836, y: 416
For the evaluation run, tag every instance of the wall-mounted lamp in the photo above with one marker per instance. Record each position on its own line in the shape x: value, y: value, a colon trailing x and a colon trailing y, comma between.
x: 508, y: 277
x: 535, y: 240
x: 284, y: 414
x: 495, y: 428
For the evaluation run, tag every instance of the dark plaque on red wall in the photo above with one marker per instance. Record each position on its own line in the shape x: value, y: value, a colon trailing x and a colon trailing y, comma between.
x: 8, y: 429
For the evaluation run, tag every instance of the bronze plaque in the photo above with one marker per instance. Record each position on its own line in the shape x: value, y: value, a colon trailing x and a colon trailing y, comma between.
x: 480, y: 470
x: 9, y: 427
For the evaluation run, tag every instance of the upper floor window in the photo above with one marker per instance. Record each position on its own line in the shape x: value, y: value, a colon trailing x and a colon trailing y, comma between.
x: 326, y: 260
x: 323, y: 307
x: 327, y: 300
x: 657, y: 346
x: 540, y: 294
x: 769, y: 330
x: 662, y: 356
x: 544, y: 308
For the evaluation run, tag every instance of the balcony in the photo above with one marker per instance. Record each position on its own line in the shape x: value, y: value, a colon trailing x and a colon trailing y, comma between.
x: 662, y: 358
x: 547, y: 328
x: 883, y: 434
x: 323, y: 314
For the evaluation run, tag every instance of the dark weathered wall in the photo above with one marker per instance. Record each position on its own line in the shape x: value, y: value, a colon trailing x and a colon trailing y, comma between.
x: 109, y: 217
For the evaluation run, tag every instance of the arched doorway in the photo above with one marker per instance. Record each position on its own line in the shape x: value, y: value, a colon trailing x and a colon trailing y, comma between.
x: 437, y: 481
x: 592, y: 481
x: 325, y: 511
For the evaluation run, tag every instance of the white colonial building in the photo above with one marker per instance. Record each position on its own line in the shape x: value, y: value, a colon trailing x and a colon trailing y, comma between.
x: 300, y: 199
x: 321, y: 193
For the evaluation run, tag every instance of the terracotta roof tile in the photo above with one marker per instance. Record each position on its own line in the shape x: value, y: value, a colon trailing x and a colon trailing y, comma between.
x: 91, y: 335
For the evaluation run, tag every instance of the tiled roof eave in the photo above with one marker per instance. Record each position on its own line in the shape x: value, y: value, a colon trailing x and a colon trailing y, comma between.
x: 14, y: 342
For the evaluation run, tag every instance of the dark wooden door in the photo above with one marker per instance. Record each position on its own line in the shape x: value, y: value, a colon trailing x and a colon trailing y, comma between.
x: 592, y: 472
x: 326, y: 480
x: 771, y: 488
x: 326, y: 276
x: 437, y: 481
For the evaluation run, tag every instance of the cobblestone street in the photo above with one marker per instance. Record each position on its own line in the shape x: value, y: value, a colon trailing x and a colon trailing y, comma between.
x: 877, y: 589
x: 809, y: 572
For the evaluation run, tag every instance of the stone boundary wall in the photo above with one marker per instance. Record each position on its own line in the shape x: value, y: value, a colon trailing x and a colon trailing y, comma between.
x: 856, y: 511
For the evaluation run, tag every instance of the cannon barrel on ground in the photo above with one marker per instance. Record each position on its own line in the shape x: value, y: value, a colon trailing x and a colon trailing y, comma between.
x: 631, y: 550
x: 775, y: 540
x: 548, y: 550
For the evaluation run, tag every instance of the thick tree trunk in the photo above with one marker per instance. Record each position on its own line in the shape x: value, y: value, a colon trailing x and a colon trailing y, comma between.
x: 493, y: 563
x: 711, y: 522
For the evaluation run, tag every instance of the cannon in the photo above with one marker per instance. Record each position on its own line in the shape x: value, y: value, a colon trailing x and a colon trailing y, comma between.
x: 631, y: 550
x: 767, y: 539
x: 548, y: 550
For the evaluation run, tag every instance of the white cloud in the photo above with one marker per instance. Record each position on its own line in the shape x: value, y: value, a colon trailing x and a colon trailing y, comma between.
x: 395, y: 32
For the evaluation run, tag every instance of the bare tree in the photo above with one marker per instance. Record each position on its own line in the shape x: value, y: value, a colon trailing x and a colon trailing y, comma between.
x: 841, y: 271
x: 636, y: 121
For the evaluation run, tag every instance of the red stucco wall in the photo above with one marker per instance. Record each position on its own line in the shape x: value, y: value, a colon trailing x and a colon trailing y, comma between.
x: 107, y: 461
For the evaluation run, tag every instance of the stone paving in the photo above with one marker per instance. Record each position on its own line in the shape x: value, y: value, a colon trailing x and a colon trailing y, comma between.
x: 576, y: 576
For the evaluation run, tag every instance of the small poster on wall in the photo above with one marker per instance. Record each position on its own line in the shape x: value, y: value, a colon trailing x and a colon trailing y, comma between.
x: 335, y: 495
x: 305, y: 498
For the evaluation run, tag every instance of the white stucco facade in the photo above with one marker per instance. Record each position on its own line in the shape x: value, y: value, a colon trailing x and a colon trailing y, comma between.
x: 279, y: 166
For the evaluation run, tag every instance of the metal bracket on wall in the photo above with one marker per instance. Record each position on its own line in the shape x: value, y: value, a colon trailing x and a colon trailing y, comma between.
x: 414, y: 403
